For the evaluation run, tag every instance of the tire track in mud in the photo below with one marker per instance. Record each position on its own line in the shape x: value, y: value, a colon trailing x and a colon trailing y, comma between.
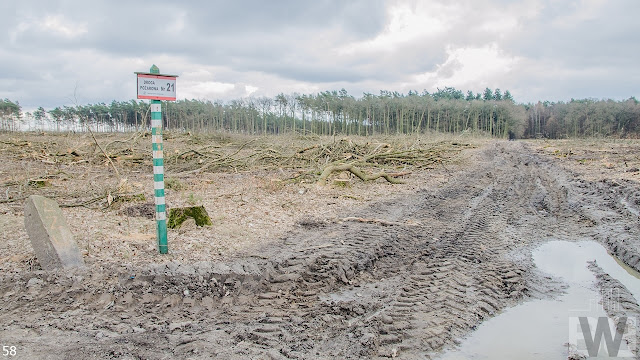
x: 459, y: 278
x: 453, y: 257
x: 447, y: 281
x: 611, y: 211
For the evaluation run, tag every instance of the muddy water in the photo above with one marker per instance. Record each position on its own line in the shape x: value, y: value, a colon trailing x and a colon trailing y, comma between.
x: 539, y: 329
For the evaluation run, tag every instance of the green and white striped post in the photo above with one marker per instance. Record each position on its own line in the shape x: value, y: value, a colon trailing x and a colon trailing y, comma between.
x: 158, y: 174
x: 158, y: 171
x: 157, y: 87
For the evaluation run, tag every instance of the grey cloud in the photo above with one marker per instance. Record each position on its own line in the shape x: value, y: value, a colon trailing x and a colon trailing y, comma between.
x: 601, y: 40
x: 121, y: 26
x: 361, y: 18
x: 534, y: 87
x: 293, y: 42
x: 317, y: 74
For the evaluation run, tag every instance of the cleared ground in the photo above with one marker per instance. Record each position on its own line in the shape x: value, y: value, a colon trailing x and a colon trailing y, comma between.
x: 291, y: 269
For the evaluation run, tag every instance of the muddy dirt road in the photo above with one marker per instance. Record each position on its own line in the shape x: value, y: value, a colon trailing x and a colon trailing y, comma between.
x: 423, y: 271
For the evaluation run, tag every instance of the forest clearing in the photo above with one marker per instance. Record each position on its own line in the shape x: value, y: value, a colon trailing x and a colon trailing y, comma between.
x: 378, y: 179
x: 258, y: 186
x: 303, y: 259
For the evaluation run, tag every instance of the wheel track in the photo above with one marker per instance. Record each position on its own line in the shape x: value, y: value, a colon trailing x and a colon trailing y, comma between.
x: 422, y: 287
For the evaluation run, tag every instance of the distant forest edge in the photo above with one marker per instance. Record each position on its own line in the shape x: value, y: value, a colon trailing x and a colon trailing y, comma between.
x: 336, y: 112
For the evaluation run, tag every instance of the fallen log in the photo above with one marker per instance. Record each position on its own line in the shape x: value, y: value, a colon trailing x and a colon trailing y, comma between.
x: 377, y: 221
x: 357, y: 172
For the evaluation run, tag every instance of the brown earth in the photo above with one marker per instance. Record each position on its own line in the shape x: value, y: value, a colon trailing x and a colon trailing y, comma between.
x: 256, y: 189
x: 366, y: 270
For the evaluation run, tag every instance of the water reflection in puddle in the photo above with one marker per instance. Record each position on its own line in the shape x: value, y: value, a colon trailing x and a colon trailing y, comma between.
x: 539, y: 329
x: 559, y: 258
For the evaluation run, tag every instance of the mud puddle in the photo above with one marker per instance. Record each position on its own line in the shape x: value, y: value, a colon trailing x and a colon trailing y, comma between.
x: 540, y: 329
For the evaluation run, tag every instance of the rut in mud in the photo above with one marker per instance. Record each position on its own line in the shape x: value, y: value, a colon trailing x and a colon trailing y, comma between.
x: 441, y: 262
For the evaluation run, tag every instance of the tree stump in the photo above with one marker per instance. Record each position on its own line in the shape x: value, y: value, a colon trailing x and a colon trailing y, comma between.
x: 179, y: 215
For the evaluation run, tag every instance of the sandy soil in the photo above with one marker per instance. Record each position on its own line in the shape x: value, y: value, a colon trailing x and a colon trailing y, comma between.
x: 307, y: 278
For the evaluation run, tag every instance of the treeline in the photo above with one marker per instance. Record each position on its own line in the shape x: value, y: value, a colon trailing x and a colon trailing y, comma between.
x: 117, y: 116
x: 10, y: 113
x: 587, y: 117
x: 336, y: 112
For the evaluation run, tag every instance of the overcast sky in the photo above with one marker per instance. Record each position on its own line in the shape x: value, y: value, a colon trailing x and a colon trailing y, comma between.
x: 539, y: 50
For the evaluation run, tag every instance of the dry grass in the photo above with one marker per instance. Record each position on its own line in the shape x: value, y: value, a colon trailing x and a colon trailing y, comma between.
x: 596, y: 159
x: 255, y: 189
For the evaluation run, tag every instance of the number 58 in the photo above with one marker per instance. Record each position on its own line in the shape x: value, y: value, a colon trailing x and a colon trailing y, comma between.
x: 8, y: 350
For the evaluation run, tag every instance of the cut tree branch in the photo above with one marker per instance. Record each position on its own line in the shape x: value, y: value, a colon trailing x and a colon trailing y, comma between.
x: 357, y: 172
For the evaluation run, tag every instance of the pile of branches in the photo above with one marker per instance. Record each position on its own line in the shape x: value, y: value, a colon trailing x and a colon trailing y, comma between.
x: 386, y: 160
x: 312, y: 159
x: 317, y: 159
x: 60, y: 158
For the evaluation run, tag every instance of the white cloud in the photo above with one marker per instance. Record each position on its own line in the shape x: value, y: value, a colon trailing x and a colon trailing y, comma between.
x: 50, y: 25
x: 62, y: 26
x: 501, y: 20
x: 200, y: 84
x: 469, y: 68
x: 205, y: 89
x: 408, y: 22
x: 250, y: 89
x: 500, y: 26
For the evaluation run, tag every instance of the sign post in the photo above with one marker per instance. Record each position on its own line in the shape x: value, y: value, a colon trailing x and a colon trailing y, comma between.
x: 157, y: 87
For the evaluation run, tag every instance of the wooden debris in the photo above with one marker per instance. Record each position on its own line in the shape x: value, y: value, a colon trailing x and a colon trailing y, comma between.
x: 378, y: 221
x: 357, y: 172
